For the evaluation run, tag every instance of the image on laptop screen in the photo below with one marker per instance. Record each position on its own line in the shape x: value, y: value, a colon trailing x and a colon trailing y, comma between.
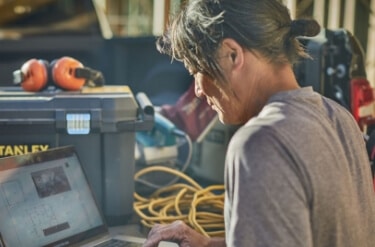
x: 45, y: 200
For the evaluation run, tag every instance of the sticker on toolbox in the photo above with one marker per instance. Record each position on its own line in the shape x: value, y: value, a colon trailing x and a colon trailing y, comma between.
x: 78, y: 123
x: 10, y: 150
x: 106, y: 89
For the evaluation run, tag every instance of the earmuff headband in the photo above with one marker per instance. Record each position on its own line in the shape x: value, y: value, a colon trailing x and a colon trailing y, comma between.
x: 18, y: 77
x: 93, y: 77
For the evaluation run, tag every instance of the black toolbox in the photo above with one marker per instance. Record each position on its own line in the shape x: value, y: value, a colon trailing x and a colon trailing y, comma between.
x: 99, y: 122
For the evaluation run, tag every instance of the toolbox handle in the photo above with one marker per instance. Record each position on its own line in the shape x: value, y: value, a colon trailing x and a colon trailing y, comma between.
x: 145, y: 115
x: 145, y: 103
x: 146, y: 112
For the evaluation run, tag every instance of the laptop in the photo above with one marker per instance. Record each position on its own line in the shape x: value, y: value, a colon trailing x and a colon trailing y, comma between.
x: 46, y: 200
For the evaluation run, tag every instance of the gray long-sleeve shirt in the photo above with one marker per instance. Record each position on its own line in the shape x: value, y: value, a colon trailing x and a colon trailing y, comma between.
x: 298, y: 175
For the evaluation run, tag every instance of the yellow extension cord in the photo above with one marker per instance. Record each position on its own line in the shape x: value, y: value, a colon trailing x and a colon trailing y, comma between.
x: 198, y: 207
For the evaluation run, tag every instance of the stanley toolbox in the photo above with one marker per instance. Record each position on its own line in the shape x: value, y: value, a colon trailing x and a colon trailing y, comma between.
x: 99, y: 122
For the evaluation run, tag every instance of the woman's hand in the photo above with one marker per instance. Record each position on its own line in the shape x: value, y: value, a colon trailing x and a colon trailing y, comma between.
x: 181, y: 234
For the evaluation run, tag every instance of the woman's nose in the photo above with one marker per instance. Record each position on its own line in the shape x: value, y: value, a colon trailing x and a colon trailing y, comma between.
x: 198, y: 90
x: 198, y: 80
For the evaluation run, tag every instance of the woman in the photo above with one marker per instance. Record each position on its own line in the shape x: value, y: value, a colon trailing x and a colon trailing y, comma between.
x: 297, y: 172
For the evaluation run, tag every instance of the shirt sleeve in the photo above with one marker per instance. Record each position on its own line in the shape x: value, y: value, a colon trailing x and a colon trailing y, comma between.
x: 266, y: 202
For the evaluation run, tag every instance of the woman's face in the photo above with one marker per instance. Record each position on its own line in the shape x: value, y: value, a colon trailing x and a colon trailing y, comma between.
x: 248, y: 80
x: 229, y: 102
x: 239, y: 97
x: 218, y: 96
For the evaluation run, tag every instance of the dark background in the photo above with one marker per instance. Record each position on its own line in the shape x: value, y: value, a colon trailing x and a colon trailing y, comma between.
x: 52, y: 29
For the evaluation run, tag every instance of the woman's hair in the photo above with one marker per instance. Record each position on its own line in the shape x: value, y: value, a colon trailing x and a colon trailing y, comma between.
x: 195, y: 35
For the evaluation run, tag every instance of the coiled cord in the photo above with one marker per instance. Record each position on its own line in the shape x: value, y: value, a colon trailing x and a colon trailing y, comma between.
x: 201, y: 208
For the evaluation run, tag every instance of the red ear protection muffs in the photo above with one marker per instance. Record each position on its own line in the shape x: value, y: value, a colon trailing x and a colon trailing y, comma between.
x: 67, y: 73
x: 33, y: 75
x: 64, y: 73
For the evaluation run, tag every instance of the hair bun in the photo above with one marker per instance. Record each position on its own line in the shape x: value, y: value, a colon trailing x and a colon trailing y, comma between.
x: 304, y: 27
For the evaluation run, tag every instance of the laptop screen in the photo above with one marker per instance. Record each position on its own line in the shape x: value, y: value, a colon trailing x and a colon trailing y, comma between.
x: 45, y: 200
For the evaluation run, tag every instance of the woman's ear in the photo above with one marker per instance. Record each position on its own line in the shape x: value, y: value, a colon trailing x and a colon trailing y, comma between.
x: 234, y: 51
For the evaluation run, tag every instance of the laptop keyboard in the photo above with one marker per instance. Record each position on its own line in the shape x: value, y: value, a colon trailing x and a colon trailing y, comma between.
x: 118, y: 243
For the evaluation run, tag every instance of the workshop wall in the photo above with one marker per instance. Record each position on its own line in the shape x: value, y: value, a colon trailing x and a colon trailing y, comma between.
x: 116, y: 37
